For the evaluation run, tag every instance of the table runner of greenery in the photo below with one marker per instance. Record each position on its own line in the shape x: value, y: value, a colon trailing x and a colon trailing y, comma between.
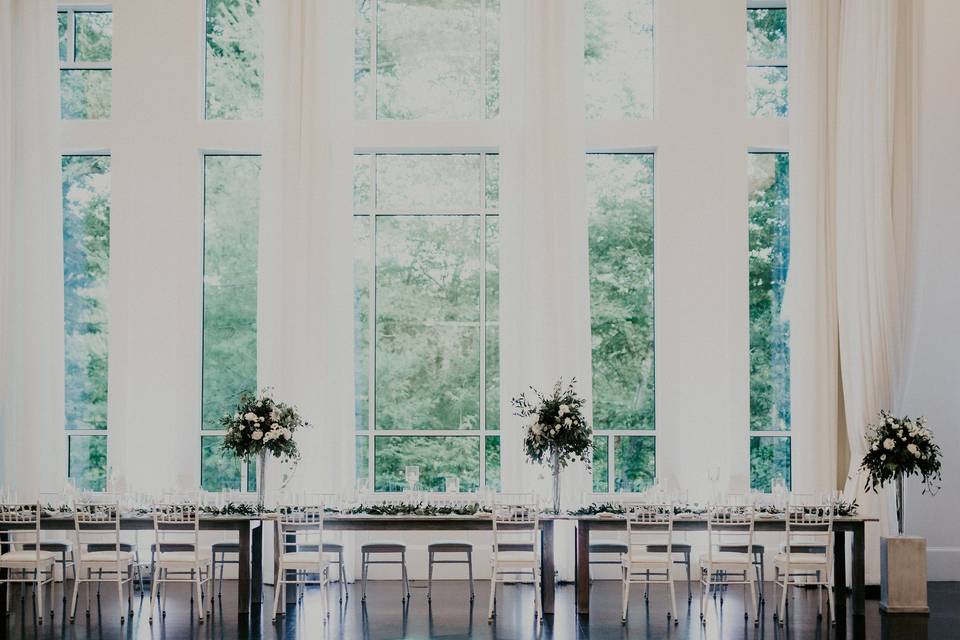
x: 843, y: 508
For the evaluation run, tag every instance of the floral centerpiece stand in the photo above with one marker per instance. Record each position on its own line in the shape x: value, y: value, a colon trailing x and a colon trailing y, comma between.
x: 897, y: 448
x: 557, y: 433
x: 260, y: 426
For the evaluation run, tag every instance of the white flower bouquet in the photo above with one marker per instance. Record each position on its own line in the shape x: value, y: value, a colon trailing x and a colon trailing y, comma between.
x: 262, y: 425
x: 901, y: 446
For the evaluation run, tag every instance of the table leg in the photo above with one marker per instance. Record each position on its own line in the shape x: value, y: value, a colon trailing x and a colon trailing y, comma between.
x: 840, y: 574
x: 548, y: 569
x: 243, y: 582
x: 583, y: 567
x: 4, y: 548
x: 256, y: 573
x: 857, y: 568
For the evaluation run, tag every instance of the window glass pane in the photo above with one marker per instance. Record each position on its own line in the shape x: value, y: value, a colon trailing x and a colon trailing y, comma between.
x: 363, y: 461
x: 436, y: 457
x: 767, y: 34
x: 361, y: 312
x: 769, y: 461
x: 492, y: 176
x: 86, y: 270
x: 618, y: 58
x: 218, y: 471
x: 769, y: 261
x: 361, y: 182
x: 635, y: 462
x: 85, y: 94
x: 492, y: 60
x: 361, y: 60
x: 620, y: 202
x: 493, y: 324
x: 601, y: 468
x: 62, y: 25
x: 230, y: 232
x: 234, y: 60
x: 87, y: 462
x: 492, y: 462
x: 767, y: 92
x: 428, y: 315
x: 93, y: 36
x: 443, y: 181
x: 431, y: 59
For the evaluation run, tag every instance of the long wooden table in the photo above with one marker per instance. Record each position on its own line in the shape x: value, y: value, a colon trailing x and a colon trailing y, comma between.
x: 842, y: 526
x: 448, y: 523
x: 250, y: 583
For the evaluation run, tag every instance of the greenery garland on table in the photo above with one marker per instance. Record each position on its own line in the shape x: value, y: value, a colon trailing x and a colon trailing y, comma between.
x: 843, y: 509
x: 415, y: 509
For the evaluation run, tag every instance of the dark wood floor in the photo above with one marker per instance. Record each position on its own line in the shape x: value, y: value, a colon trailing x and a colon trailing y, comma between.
x: 450, y: 616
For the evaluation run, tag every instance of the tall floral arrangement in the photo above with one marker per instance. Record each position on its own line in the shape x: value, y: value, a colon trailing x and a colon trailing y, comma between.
x: 259, y: 426
x: 900, y: 447
x: 557, y: 432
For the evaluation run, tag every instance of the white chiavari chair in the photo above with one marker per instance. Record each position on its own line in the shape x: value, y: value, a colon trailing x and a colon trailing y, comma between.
x: 34, y: 566
x: 177, y: 543
x: 728, y: 525
x: 807, y: 553
x: 516, y: 534
x: 649, y: 527
x: 99, y: 555
x: 301, y: 527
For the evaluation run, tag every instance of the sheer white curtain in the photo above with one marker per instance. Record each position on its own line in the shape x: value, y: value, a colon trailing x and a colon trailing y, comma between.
x: 850, y: 88
x: 544, y: 251
x: 306, y: 282
x: 31, y: 315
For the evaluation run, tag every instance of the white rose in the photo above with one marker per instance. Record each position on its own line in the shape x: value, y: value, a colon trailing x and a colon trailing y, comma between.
x: 883, y: 456
x: 250, y: 416
x: 257, y: 434
x: 274, y: 426
x: 875, y: 446
x: 286, y: 433
x: 564, y: 409
x: 259, y: 404
x: 567, y: 421
x: 889, y: 444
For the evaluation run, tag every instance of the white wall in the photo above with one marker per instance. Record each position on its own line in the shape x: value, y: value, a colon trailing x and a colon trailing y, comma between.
x: 934, y: 378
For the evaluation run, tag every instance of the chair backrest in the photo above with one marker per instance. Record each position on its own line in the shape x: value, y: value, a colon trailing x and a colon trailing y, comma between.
x: 516, y: 524
x: 300, y: 526
x: 176, y: 524
x: 96, y: 522
x: 730, y: 526
x: 810, y: 525
x: 22, y: 515
x: 648, y: 525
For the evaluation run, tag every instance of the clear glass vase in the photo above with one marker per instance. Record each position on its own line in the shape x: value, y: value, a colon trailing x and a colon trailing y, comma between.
x: 261, y: 477
x: 555, y: 468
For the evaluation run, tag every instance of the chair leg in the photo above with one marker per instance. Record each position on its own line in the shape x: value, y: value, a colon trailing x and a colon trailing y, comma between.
x: 38, y: 576
x: 753, y: 602
x: 493, y: 594
x: 686, y: 560
x: 120, y: 595
x: 673, y: 603
x: 470, y: 572
x: 165, y: 573
x: 830, y: 603
x: 89, y: 588
x: 625, y: 594
x: 536, y: 594
x: 403, y: 572
x: 279, y: 587
x: 76, y: 594
x: 153, y: 591
x: 342, y: 587
x: 783, y: 597
x: 63, y: 571
x: 200, y: 602
x: 429, y: 575
x: 365, y: 567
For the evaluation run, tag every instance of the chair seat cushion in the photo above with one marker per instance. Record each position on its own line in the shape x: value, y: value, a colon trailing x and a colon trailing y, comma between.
x: 647, y: 559
x: 182, y: 558
x: 801, y: 560
x: 106, y: 557
x: 450, y: 546
x: 741, y: 548
x: 383, y: 547
x: 58, y: 546
x: 17, y: 559
x: 328, y: 547
x: 803, y: 548
x: 110, y: 546
x: 172, y: 546
x: 226, y: 547
x: 303, y: 560
x: 515, y: 546
x: 608, y: 546
x: 726, y: 559
x: 676, y: 547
